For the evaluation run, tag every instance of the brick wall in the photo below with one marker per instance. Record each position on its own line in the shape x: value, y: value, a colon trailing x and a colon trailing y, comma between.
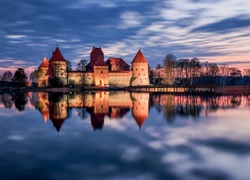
x: 120, y: 79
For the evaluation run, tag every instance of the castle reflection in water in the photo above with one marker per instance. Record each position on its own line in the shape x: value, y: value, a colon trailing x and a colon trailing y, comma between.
x: 57, y: 107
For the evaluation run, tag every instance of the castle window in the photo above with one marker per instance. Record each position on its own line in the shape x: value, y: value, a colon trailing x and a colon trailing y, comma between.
x: 138, y: 73
x: 101, y: 71
x: 142, y: 69
x: 136, y: 69
x: 62, y: 74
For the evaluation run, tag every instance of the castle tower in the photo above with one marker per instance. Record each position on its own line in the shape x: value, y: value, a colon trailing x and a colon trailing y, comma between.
x: 58, y: 66
x: 101, y: 73
x: 95, y: 55
x: 140, y: 107
x: 43, y: 70
x: 140, y: 70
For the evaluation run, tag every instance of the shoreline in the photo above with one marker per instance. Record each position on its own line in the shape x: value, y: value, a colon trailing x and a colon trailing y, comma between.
x: 230, y: 90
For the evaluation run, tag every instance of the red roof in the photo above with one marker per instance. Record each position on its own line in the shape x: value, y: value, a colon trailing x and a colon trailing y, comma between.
x: 116, y: 62
x: 57, y: 123
x: 100, y: 62
x: 57, y: 56
x: 140, y: 119
x: 44, y: 63
x: 139, y: 58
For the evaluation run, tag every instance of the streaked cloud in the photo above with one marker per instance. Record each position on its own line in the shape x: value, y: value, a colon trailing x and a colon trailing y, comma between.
x: 210, y: 30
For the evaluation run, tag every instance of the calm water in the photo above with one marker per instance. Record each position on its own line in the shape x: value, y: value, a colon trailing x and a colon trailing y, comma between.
x: 124, y: 136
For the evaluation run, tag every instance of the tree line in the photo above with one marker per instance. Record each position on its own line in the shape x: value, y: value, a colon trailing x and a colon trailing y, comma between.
x: 193, y: 72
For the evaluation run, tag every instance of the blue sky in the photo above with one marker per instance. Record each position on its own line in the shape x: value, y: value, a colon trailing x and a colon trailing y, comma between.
x: 215, y: 31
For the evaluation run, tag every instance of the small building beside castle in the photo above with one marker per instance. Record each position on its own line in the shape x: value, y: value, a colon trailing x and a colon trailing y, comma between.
x: 114, y: 72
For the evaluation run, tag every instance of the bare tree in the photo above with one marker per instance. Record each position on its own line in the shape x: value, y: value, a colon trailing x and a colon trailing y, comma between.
x: 169, y: 64
x: 33, y: 77
x: 7, y: 76
x: 81, y: 66
x: 194, y: 67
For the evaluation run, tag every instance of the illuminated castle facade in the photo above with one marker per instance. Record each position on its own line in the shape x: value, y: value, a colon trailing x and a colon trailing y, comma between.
x: 114, y: 72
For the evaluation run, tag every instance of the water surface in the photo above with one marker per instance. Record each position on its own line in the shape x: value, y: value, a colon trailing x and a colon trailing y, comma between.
x: 121, y: 135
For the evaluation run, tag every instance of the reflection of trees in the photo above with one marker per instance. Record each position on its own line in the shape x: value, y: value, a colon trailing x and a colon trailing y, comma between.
x: 69, y: 113
x: 55, y: 97
x: 192, y: 105
x: 34, y: 99
x: 20, y: 100
x: 82, y: 113
x: 7, y: 100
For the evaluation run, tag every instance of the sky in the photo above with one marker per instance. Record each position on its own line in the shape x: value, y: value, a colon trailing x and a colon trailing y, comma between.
x: 211, y: 30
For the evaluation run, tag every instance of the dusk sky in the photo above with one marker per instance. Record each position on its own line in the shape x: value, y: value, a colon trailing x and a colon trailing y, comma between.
x: 211, y: 30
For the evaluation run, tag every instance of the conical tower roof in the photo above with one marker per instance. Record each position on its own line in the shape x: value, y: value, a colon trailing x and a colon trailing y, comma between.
x: 45, y: 115
x: 139, y: 58
x: 57, y: 55
x: 57, y: 123
x: 44, y: 63
x: 140, y: 119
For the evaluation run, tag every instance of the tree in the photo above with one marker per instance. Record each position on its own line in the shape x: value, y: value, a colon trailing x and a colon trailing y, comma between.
x: 33, y: 77
x: 247, y: 72
x: 69, y: 66
x: 20, y: 100
x: 169, y: 64
x: 7, y: 75
x: 247, y: 76
x: 81, y: 66
x: 194, y: 67
x: 235, y: 74
x: 20, y: 77
x: 224, y: 70
x: 55, y: 82
x: 158, y: 66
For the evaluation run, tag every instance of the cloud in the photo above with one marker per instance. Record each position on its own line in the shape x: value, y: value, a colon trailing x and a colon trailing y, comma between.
x: 130, y: 19
x: 187, y: 28
x: 16, y: 36
x: 225, y: 25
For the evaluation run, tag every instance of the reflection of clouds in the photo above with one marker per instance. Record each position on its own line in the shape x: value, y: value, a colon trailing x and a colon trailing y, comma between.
x: 16, y: 137
x: 120, y: 124
x: 131, y: 154
x: 222, y: 156
x: 187, y: 148
x: 156, y: 144
x: 145, y: 176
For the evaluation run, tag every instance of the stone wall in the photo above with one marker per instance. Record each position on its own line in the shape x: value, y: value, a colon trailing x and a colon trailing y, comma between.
x: 79, y: 78
x: 120, y: 79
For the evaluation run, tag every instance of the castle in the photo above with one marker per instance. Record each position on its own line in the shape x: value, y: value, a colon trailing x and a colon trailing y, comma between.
x: 114, y: 72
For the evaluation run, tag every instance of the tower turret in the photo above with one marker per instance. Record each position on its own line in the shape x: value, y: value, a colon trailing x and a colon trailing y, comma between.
x: 140, y: 70
x: 58, y: 66
x: 43, y: 73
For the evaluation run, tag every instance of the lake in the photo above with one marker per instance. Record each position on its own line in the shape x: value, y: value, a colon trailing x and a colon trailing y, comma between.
x: 122, y: 135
